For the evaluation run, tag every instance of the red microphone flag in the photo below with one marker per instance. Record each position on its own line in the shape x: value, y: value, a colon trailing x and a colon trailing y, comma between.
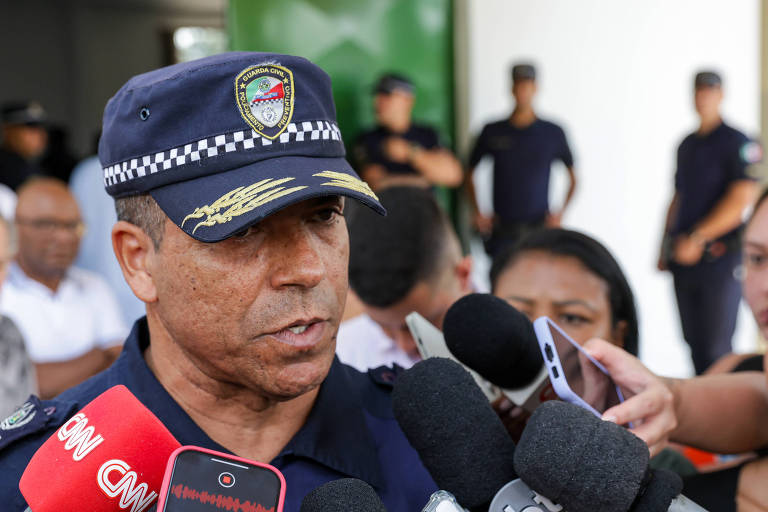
x: 110, y: 456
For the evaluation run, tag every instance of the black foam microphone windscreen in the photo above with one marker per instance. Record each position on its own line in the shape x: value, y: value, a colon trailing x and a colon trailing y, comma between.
x: 458, y: 436
x: 578, y: 460
x: 662, y: 487
x: 494, y: 339
x: 344, y: 495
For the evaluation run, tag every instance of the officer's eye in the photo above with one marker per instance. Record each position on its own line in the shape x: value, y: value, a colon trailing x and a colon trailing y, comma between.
x: 328, y: 214
x: 242, y: 233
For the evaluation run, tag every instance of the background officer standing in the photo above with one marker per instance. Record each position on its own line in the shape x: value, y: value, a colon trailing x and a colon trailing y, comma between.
x: 523, y: 148
x: 24, y: 141
x: 398, y: 151
x: 701, y: 245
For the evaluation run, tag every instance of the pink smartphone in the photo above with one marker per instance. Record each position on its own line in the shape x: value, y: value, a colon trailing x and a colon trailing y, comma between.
x: 201, y: 480
x: 576, y: 376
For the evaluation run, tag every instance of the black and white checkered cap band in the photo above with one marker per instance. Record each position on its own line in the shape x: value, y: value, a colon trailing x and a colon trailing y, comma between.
x: 218, y: 145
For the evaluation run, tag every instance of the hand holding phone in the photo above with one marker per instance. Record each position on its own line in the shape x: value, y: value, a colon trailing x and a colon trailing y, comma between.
x: 576, y: 376
x: 201, y: 480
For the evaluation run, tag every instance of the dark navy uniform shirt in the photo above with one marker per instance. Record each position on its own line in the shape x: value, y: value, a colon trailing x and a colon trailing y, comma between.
x: 350, y: 432
x: 14, y: 170
x: 706, y: 166
x: 369, y: 147
x: 522, y: 161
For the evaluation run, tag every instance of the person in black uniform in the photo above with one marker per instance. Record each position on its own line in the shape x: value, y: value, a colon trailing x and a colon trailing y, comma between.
x: 523, y: 148
x: 700, y: 243
x: 398, y: 151
x: 231, y: 232
x: 24, y: 140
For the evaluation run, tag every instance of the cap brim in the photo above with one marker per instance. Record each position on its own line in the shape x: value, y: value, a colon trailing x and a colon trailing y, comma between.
x: 212, y: 208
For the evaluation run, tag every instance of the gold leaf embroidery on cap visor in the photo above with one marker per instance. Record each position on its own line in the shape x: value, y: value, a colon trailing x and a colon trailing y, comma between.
x: 344, y: 180
x: 240, y: 201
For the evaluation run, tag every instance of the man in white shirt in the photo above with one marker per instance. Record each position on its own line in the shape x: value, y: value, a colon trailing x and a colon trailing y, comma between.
x: 408, y: 261
x: 69, y: 317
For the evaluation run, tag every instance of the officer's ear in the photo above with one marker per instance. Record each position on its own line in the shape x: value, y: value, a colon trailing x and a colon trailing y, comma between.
x: 134, y: 250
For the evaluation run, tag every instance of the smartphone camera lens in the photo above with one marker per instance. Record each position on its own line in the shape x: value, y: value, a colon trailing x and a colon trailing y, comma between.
x: 226, y: 479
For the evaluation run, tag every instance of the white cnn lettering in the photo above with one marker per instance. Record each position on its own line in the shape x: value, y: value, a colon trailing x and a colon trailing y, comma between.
x: 77, y: 435
x: 124, y: 485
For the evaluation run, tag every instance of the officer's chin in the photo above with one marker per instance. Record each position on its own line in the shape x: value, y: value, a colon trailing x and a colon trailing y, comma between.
x: 298, y: 379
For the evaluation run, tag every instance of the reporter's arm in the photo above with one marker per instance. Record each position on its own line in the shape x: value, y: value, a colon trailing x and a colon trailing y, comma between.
x: 724, y: 413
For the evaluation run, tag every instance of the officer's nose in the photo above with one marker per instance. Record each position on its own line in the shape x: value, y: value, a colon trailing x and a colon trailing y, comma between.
x: 299, y: 260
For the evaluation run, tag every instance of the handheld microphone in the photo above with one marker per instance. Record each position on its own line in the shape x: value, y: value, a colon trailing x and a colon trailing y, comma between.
x: 497, y: 341
x: 589, y: 465
x: 344, y: 495
x: 459, y: 438
x: 110, y: 456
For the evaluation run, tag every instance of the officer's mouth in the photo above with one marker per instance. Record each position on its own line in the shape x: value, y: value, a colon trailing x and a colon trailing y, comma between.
x: 303, y: 333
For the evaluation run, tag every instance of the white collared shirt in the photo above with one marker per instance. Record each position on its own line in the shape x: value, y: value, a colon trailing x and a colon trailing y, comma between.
x: 362, y: 344
x: 58, y: 326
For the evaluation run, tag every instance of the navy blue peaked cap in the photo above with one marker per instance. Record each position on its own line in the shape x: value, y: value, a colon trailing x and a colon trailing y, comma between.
x: 222, y: 142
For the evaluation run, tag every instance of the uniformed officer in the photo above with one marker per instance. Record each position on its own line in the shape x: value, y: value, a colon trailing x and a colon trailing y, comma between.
x: 229, y: 180
x: 398, y: 151
x: 24, y: 140
x: 700, y: 243
x: 523, y: 148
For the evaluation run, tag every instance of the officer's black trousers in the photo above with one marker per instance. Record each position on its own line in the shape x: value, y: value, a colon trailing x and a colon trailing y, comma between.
x: 708, y: 296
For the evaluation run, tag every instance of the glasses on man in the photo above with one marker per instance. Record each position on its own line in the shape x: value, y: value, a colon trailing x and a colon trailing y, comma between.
x: 51, y: 226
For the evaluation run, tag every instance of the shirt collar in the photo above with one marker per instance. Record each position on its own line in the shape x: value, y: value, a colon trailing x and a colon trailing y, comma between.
x: 20, y: 278
x: 335, y: 433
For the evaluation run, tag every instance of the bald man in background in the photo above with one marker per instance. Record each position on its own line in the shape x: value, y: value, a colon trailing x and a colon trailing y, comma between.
x: 68, y: 316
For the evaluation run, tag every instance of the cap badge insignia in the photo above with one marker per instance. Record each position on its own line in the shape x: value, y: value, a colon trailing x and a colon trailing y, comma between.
x: 264, y: 96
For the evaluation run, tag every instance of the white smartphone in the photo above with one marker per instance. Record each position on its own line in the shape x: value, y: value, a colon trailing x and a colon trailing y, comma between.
x: 575, y: 375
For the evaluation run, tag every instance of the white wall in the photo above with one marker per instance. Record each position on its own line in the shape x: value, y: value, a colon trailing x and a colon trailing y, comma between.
x: 618, y: 77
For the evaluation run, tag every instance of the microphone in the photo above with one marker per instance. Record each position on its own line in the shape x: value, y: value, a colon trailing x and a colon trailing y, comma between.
x: 459, y: 438
x: 344, y: 495
x: 497, y: 341
x: 110, y: 456
x: 589, y: 465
